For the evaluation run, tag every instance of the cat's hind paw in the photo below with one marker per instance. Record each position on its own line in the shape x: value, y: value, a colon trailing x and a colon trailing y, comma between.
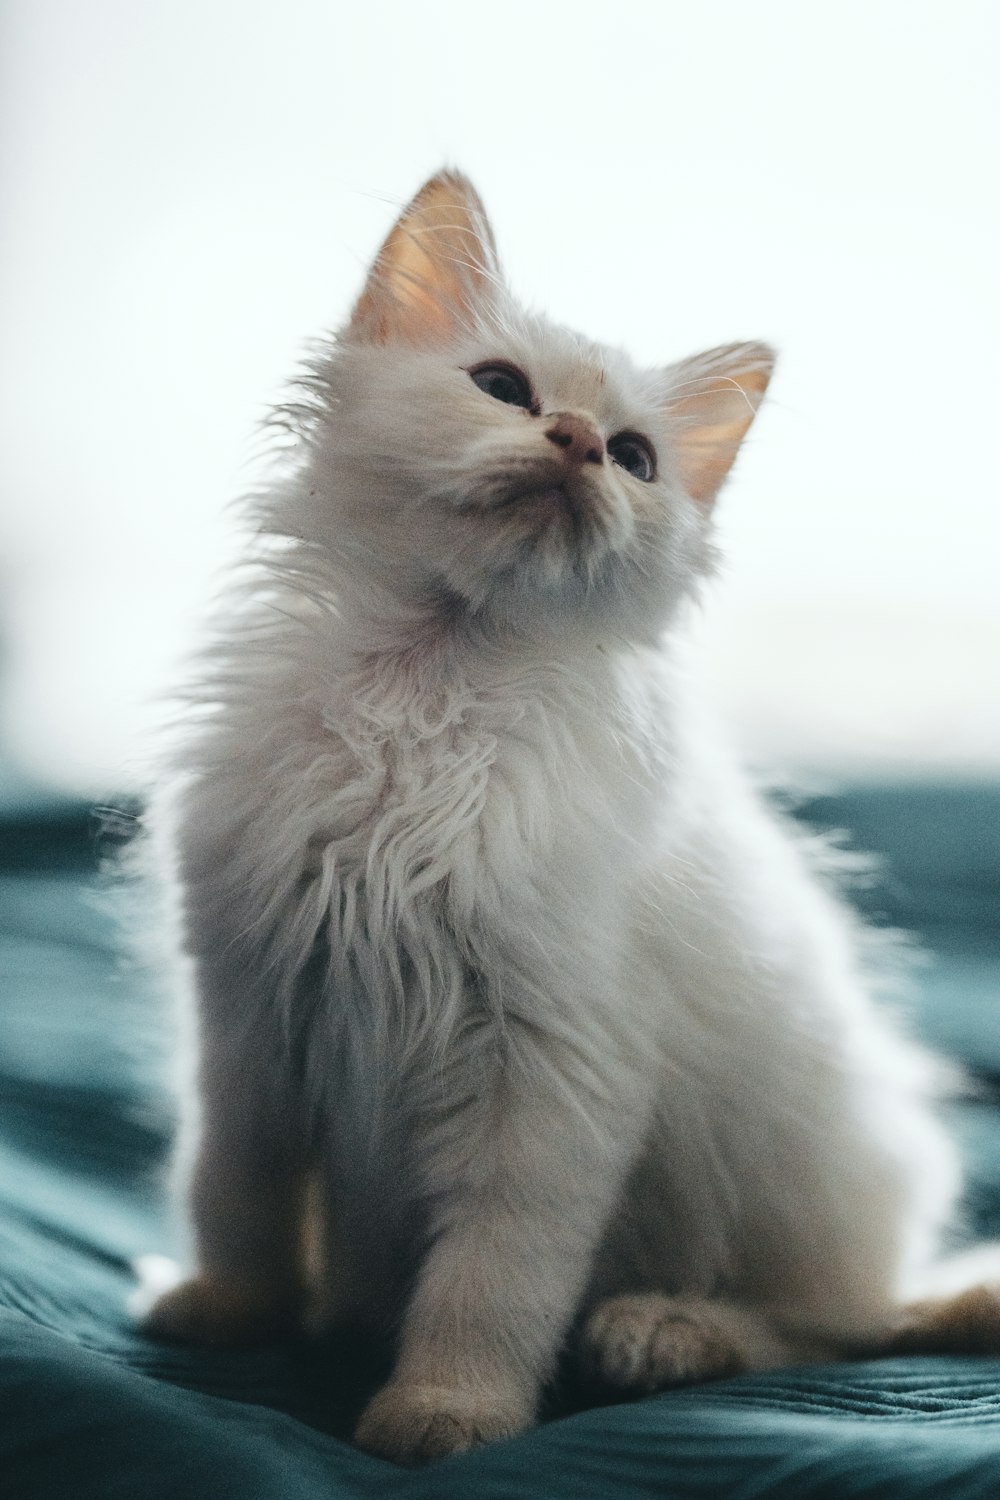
x: 647, y: 1340
x: 203, y: 1311
x: 967, y: 1322
x: 415, y: 1424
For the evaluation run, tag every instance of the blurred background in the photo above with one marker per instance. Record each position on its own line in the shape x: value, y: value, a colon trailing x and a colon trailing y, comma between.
x: 190, y: 190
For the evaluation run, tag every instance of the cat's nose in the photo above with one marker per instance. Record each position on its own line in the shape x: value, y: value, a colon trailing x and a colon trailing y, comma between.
x: 577, y: 436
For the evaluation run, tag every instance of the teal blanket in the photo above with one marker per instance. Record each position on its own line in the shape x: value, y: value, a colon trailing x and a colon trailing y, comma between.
x: 90, y: 1409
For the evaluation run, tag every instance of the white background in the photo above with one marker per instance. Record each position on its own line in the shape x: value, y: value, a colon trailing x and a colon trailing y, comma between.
x: 190, y: 189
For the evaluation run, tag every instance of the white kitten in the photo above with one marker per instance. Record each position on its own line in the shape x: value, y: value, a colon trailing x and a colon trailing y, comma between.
x: 509, y: 992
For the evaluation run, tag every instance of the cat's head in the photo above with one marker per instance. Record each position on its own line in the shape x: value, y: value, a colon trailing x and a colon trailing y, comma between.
x: 480, y: 459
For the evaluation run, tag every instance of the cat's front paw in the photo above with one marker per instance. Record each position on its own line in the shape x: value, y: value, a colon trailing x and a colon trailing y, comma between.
x: 415, y: 1424
x: 649, y: 1340
x: 208, y: 1312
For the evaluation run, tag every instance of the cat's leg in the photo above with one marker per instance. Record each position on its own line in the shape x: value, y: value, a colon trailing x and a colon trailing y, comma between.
x: 354, y: 1262
x: 247, y: 1181
x: 806, y: 1236
x: 796, y: 1160
x: 520, y: 1173
x: 643, y: 1341
x: 826, y: 1214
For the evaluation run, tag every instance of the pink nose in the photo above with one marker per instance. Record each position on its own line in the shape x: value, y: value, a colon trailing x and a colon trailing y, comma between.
x: 577, y: 436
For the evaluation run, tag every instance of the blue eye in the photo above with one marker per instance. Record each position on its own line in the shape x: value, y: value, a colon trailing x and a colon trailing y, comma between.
x: 633, y: 453
x: 504, y: 383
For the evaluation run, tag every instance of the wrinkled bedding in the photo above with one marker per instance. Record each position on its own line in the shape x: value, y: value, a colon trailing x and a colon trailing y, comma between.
x: 88, y: 1408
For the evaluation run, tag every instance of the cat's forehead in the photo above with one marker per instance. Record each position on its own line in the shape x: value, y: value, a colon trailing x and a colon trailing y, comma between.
x: 570, y: 372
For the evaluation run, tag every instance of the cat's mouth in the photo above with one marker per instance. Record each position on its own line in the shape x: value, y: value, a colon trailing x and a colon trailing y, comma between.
x: 583, y: 513
x: 559, y: 516
x: 546, y: 502
x: 550, y: 496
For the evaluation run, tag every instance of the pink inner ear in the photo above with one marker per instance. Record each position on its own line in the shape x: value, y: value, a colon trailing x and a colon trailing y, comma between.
x: 716, y: 399
x: 438, y: 260
x: 705, y: 465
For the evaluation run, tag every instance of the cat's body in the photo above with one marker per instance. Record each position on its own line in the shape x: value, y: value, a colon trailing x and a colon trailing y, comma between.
x: 497, y: 960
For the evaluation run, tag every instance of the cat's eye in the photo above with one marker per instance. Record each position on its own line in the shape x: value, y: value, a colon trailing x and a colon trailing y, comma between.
x: 633, y: 453
x: 504, y: 383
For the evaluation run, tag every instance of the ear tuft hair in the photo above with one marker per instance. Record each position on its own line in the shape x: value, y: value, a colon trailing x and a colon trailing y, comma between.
x: 438, y: 262
x: 712, y: 399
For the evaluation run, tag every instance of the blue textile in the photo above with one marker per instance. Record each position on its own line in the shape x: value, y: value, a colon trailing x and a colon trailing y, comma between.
x: 89, y: 1409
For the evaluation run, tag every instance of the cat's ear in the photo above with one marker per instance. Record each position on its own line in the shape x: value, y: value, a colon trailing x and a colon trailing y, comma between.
x: 438, y: 263
x: 711, y: 401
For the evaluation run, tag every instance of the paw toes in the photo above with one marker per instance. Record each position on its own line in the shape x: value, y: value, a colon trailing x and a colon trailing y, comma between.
x: 647, y: 1341
x: 414, y: 1424
x: 616, y: 1340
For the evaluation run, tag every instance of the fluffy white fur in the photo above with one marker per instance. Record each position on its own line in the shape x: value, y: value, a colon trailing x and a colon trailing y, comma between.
x: 508, y: 988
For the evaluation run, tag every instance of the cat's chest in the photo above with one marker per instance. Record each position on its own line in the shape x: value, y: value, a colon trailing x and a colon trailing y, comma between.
x: 425, y: 793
